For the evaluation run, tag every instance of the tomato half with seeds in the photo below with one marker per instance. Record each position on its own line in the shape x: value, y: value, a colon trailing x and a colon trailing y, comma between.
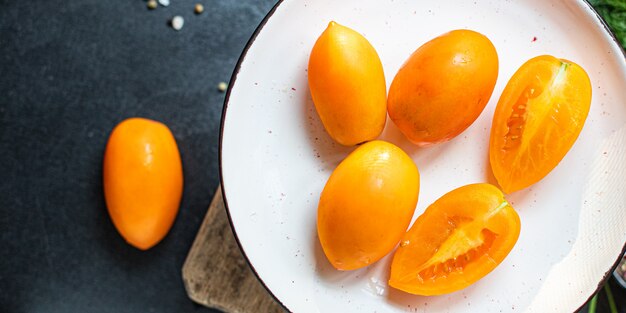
x: 459, y: 239
x: 538, y: 118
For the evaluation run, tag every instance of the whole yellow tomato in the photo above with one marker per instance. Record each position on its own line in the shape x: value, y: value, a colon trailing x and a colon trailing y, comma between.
x: 443, y: 87
x: 367, y: 205
x: 347, y: 85
x: 143, y: 180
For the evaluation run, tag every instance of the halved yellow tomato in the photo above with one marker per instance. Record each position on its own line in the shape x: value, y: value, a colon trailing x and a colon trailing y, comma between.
x: 459, y: 239
x: 538, y: 118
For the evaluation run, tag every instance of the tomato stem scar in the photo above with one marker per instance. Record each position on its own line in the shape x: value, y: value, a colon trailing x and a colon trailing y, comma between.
x: 497, y: 209
x: 561, y: 73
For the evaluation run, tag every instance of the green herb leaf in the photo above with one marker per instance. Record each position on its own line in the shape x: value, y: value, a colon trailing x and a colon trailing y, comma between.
x: 609, y: 296
x: 593, y: 304
x: 614, y: 13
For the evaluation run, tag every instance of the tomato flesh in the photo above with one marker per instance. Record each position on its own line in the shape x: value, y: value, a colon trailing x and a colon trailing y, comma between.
x: 537, y: 120
x: 459, y: 239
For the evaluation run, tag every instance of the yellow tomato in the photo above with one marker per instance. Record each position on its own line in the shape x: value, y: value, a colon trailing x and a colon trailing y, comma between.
x: 458, y: 240
x: 443, y: 87
x: 539, y: 116
x: 367, y: 205
x: 347, y: 85
x: 143, y: 180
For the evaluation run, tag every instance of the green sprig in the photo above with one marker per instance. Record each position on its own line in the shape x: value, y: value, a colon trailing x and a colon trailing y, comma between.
x: 614, y: 13
x: 609, y: 296
x: 593, y: 304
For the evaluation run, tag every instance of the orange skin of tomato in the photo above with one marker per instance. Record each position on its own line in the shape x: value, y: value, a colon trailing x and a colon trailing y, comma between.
x: 443, y: 87
x: 143, y: 180
x: 367, y: 205
x: 347, y: 85
x: 538, y: 118
x: 445, y: 235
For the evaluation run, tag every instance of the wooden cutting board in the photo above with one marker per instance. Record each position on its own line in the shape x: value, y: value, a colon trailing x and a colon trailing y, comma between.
x: 215, y: 272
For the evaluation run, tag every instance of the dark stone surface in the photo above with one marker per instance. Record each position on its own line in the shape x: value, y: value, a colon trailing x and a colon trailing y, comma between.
x: 70, y: 71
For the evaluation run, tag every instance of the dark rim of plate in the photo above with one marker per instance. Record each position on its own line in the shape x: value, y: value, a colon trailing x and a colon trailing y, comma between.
x: 233, y: 79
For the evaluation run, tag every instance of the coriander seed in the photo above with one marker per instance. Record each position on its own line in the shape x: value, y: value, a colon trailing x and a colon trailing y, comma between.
x: 222, y: 86
x: 199, y: 8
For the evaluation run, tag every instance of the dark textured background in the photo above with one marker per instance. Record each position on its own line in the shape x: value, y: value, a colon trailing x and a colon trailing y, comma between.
x: 69, y: 72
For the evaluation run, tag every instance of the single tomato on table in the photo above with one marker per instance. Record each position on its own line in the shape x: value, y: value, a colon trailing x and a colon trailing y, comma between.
x: 459, y: 239
x: 538, y: 118
x: 143, y: 180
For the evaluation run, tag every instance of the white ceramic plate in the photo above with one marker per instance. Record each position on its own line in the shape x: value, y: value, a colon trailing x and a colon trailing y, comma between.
x: 276, y: 157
